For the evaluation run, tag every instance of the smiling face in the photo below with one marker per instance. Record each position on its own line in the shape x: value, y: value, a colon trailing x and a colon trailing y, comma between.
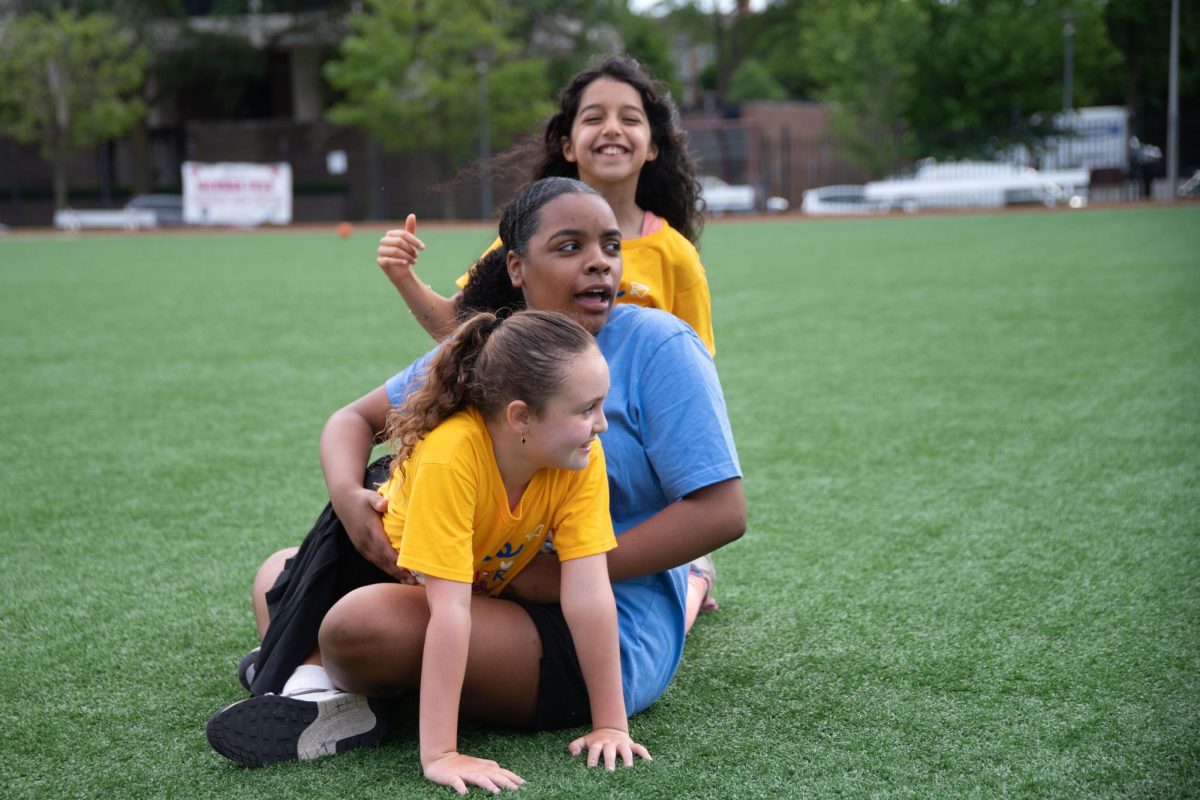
x: 572, y: 262
x: 610, y: 137
x: 561, y: 436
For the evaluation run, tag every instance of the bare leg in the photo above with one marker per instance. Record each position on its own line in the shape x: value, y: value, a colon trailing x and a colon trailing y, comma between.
x: 699, y: 591
x: 697, y: 586
x: 372, y: 641
x: 264, y: 579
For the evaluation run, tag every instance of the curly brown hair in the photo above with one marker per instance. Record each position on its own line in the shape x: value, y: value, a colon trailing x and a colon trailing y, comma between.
x: 490, y: 361
x: 667, y: 185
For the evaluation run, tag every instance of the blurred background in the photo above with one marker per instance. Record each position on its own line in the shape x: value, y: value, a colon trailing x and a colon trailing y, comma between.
x: 382, y: 107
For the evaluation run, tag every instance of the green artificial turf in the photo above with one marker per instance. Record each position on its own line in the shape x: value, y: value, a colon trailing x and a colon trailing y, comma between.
x: 971, y: 454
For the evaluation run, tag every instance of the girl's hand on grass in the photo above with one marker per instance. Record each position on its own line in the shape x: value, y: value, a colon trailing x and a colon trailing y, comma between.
x: 361, y: 516
x: 609, y: 743
x: 459, y: 771
x: 398, y: 251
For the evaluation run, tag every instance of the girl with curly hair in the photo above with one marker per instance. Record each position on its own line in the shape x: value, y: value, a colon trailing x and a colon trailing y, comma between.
x: 617, y: 130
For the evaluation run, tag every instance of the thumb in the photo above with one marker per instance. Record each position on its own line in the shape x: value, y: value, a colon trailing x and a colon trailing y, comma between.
x: 379, y: 503
x: 410, y: 224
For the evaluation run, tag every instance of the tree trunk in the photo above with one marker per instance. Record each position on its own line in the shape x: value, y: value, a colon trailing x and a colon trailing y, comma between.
x: 56, y: 79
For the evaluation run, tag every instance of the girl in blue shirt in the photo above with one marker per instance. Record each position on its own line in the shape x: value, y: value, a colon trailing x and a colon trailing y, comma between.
x: 675, y: 487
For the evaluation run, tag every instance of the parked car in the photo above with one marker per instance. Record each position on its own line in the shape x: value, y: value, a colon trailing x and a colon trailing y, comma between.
x: 975, y: 184
x: 167, y: 208
x: 130, y: 219
x: 839, y: 200
x: 720, y: 197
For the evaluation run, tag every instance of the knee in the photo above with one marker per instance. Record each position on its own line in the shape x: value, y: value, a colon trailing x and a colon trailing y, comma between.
x: 371, y: 640
x: 349, y: 627
x: 268, y: 573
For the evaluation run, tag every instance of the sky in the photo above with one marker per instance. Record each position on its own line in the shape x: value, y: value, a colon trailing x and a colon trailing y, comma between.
x: 725, y: 5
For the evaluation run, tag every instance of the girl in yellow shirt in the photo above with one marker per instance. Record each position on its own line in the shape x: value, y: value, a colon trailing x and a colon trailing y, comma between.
x: 497, y: 449
x: 495, y: 452
x: 616, y: 130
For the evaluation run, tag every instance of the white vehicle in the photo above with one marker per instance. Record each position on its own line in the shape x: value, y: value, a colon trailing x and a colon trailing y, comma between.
x: 720, y: 197
x: 970, y: 184
x: 1089, y: 138
x: 130, y: 219
x: 839, y: 200
x: 167, y: 208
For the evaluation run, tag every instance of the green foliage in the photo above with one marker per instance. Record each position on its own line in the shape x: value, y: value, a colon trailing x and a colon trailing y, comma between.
x: 752, y: 81
x: 863, y: 54
x: 997, y: 63
x: 569, y: 34
x: 959, y: 77
x: 408, y: 73
x: 646, y: 41
x: 66, y: 80
x: 772, y: 36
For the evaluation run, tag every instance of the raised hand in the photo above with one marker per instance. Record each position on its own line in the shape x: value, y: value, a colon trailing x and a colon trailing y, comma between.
x: 609, y: 744
x: 398, y: 251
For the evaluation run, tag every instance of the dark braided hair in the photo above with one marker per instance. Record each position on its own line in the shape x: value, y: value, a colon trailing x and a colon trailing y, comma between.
x: 667, y: 185
x: 489, y: 287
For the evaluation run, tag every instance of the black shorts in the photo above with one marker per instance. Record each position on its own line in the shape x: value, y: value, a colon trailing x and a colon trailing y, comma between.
x: 562, y: 694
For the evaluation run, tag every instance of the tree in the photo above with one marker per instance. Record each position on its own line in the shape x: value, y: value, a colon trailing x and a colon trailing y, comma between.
x: 772, y: 36
x: 66, y: 82
x: 752, y: 81
x: 409, y: 76
x: 569, y: 34
x: 862, y: 55
x: 997, y: 63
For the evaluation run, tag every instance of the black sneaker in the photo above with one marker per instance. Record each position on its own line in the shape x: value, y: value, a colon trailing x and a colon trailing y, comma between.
x: 270, y: 728
x: 245, y: 668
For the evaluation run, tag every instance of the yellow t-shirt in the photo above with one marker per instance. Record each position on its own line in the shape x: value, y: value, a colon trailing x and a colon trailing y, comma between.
x: 450, y: 518
x: 662, y: 270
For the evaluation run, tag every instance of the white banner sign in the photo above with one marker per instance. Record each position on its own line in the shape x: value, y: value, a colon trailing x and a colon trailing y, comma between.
x: 237, y: 194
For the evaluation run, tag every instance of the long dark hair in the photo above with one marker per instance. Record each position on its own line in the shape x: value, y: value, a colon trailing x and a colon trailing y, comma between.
x: 667, y: 185
x: 489, y: 362
x: 489, y: 287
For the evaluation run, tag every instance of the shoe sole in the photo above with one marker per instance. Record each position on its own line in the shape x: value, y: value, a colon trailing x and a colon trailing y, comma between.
x: 271, y: 728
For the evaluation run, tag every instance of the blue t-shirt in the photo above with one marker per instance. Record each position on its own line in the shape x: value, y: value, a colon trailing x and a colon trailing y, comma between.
x: 668, y: 436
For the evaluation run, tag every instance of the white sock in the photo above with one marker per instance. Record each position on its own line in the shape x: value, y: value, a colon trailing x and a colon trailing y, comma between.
x: 306, y: 678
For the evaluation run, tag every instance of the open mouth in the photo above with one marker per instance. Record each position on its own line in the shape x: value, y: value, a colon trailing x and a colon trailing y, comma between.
x: 599, y: 298
x: 612, y: 150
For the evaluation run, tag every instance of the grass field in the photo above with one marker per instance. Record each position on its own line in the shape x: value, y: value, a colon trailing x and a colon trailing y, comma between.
x: 972, y: 457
